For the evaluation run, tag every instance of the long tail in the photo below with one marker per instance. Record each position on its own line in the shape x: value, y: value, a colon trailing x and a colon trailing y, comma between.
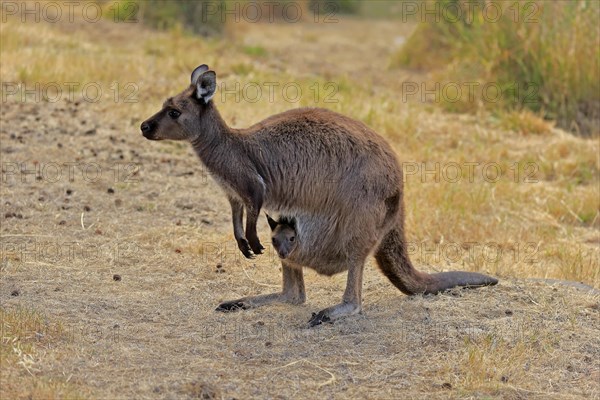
x: 393, y: 260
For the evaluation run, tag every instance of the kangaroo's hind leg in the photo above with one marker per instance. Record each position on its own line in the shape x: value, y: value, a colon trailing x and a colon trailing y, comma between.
x: 292, y: 292
x: 351, y: 302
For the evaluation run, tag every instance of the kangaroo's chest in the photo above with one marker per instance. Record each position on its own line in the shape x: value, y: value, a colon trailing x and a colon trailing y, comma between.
x: 226, y: 187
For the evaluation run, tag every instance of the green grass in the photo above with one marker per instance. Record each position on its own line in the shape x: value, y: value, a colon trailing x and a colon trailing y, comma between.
x: 257, y: 51
x: 198, y: 16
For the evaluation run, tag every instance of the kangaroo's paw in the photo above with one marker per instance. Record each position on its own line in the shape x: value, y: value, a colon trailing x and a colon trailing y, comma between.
x: 255, y: 245
x: 244, y: 247
x: 332, y: 313
x: 231, y: 306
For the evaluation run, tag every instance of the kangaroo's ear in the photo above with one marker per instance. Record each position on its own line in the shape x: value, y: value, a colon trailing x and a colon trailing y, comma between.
x: 272, y: 223
x: 198, y: 71
x: 293, y: 223
x: 206, y: 85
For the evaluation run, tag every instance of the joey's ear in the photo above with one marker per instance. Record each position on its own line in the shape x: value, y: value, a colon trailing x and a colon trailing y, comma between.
x: 206, y: 85
x: 198, y: 71
x: 272, y: 223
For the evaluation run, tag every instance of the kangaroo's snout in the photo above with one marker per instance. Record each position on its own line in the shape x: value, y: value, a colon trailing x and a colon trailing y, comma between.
x: 283, y: 254
x: 147, y: 128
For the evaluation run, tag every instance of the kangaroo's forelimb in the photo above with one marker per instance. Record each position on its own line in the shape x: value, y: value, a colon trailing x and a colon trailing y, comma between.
x: 252, y: 199
x: 237, y: 216
x: 255, y: 202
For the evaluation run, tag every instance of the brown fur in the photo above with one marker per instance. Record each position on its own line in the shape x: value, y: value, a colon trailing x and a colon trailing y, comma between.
x: 283, y: 236
x: 335, y: 176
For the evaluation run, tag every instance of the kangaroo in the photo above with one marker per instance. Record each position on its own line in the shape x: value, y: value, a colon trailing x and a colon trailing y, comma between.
x: 283, y: 235
x: 347, y: 198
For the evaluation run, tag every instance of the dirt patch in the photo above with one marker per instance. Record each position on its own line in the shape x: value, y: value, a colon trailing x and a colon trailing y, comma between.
x: 148, y: 214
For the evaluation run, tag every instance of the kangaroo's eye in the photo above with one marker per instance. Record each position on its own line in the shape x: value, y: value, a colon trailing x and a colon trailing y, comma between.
x: 174, y: 114
x: 292, y: 238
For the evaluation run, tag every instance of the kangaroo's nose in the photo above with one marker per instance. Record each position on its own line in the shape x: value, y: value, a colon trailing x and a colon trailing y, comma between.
x: 146, y: 127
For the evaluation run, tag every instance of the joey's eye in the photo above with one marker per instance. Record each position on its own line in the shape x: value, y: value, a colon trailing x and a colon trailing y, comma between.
x: 174, y: 114
x: 292, y: 238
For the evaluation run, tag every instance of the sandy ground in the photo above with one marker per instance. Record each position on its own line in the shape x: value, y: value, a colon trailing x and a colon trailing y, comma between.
x: 126, y: 253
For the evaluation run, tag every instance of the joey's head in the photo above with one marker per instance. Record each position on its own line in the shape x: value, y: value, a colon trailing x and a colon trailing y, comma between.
x: 187, y: 115
x: 283, y: 235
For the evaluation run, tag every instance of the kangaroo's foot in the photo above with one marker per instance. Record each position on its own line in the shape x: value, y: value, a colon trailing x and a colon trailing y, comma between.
x: 246, y: 303
x: 332, y: 313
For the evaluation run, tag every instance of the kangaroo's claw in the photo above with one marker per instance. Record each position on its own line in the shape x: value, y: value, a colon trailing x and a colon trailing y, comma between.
x: 230, y: 306
x: 244, y: 247
x: 318, y: 318
x: 255, y: 245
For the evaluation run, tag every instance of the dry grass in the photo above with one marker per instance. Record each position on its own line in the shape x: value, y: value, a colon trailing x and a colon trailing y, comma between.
x: 165, y: 227
x: 25, y: 336
x: 540, y: 55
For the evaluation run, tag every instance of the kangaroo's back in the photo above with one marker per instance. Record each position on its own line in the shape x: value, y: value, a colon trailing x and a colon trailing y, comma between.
x: 318, y: 159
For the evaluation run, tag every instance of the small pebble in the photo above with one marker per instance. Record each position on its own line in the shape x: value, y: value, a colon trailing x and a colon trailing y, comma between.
x: 111, y: 190
x: 69, y: 192
x: 116, y: 277
x: 87, y: 208
x: 15, y: 293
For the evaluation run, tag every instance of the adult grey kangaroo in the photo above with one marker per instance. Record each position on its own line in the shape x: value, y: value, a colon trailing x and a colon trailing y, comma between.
x: 337, y: 178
